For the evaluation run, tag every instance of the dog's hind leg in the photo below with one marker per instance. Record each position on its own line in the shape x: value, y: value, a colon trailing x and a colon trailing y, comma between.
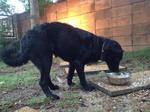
x: 51, y: 85
x: 80, y: 70
x: 70, y: 74
x: 44, y: 65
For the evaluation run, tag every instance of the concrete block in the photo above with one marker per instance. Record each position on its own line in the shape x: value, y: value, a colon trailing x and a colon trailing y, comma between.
x: 65, y: 20
x: 141, y: 18
x: 83, y: 2
x: 121, y: 11
x: 136, y: 1
x: 74, y: 11
x: 121, y: 21
x: 116, y: 3
x: 62, y: 7
x: 141, y: 39
x: 103, y: 23
x: 143, y: 28
x: 51, y: 17
x: 103, y: 14
x: 124, y: 40
x: 61, y: 15
x: 90, y: 27
x: 73, y: 7
x: 148, y: 38
x: 122, y: 30
x: 102, y: 4
x: 88, y: 18
x: 73, y: 3
x: 127, y: 48
x: 138, y: 8
x: 51, y: 8
x: 106, y: 32
x: 74, y: 21
x: 87, y: 7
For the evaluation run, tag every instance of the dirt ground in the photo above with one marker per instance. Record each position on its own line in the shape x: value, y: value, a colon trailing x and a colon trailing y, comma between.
x: 74, y: 100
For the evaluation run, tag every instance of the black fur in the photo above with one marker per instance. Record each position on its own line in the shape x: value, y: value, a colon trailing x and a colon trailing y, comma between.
x: 74, y: 45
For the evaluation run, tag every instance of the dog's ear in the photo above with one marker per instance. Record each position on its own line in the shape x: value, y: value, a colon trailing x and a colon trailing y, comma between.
x: 116, y: 47
x: 110, y: 46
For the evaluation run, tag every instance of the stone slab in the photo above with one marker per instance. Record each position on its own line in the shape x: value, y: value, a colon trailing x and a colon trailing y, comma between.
x: 139, y: 81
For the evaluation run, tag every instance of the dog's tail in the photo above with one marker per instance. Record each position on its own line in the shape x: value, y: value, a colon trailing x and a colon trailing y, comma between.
x: 13, y: 58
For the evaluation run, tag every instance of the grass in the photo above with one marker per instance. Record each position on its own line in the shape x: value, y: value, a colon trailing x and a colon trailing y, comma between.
x: 10, y: 81
x: 144, y: 54
x: 23, y: 78
x: 38, y: 100
x: 5, y: 105
x: 2, y: 65
x: 70, y: 100
x: 138, y: 60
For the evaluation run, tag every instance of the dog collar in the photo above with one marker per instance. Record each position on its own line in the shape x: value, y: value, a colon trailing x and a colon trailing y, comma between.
x: 102, y: 50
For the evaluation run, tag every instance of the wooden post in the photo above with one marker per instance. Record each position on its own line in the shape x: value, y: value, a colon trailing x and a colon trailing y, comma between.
x: 34, y: 13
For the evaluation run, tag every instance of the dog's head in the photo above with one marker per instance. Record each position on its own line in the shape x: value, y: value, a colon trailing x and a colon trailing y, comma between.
x: 112, y: 54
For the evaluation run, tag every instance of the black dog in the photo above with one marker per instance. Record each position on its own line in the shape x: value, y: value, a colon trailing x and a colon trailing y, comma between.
x: 74, y: 45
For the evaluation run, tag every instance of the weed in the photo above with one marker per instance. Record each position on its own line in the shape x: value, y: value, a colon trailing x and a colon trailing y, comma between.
x: 38, y: 100
x: 70, y: 100
x: 5, y: 105
x: 19, y: 79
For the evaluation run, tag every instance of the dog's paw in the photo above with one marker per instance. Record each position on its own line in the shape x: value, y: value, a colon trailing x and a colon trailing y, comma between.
x: 54, y: 87
x: 71, y: 84
x: 89, y: 88
x: 54, y: 97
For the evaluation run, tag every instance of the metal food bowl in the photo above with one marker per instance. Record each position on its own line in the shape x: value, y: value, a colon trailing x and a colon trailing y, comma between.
x: 119, y: 78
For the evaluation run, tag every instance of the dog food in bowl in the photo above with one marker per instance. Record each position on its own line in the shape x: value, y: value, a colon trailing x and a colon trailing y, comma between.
x: 120, y: 78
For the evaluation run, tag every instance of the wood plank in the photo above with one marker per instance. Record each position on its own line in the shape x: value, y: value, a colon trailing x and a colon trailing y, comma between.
x: 66, y: 64
x: 139, y: 81
x: 96, y: 68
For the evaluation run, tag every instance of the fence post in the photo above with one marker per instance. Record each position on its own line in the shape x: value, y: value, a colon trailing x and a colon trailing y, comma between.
x: 17, y: 28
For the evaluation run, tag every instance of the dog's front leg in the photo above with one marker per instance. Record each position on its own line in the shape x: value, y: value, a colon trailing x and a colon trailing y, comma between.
x: 80, y: 70
x: 70, y: 74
